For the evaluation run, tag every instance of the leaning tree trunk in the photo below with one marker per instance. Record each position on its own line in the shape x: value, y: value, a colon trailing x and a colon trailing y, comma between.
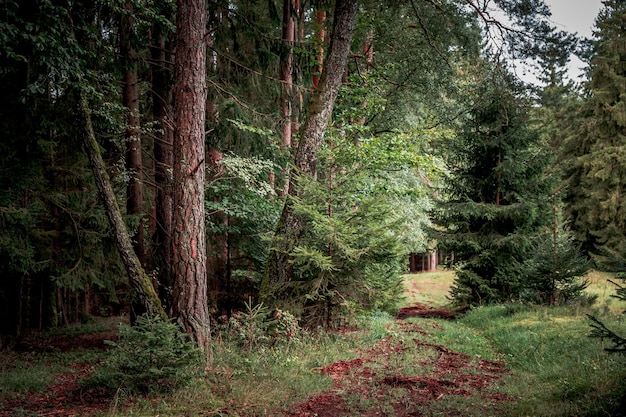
x: 190, y: 305
x: 280, y: 268
x: 139, y: 280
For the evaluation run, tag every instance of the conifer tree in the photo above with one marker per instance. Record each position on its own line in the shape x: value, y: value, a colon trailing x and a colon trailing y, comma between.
x: 497, y: 196
x: 595, y: 150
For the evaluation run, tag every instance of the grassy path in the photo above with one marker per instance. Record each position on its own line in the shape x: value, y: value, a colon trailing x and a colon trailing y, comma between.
x: 507, y: 360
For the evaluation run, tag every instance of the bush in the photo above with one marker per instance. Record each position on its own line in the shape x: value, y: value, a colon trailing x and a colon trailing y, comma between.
x: 152, y: 356
x: 259, y: 326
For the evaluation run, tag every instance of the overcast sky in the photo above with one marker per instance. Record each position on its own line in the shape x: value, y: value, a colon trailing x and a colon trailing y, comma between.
x: 577, y: 16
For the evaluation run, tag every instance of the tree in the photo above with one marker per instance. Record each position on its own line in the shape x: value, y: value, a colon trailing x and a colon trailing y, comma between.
x: 161, y: 69
x: 290, y: 227
x: 140, y: 281
x: 130, y: 97
x: 595, y: 153
x: 190, y: 303
x: 555, y: 269
x: 496, y: 195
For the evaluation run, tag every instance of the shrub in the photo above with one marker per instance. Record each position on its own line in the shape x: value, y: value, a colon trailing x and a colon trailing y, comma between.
x: 150, y: 357
x: 259, y: 326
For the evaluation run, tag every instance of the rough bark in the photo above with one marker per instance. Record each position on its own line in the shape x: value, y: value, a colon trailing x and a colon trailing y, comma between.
x: 188, y: 238
x: 139, y: 280
x: 279, y: 269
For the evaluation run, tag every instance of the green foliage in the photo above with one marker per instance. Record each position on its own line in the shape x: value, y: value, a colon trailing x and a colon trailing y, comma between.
x: 616, y: 263
x: 242, y: 211
x: 594, y: 146
x: 495, y: 199
x: 349, y: 258
x: 258, y: 327
x: 555, y: 272
x: 150, y: 357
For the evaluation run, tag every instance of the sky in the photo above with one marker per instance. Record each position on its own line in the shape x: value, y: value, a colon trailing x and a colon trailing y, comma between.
x: 575, y: 16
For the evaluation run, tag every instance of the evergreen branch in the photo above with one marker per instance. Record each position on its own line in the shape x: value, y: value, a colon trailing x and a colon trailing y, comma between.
x: 239, y: 101
x: 427, y: 35
x: 603, y: 332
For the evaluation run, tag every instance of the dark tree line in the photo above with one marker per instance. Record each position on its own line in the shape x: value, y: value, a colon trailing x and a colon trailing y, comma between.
x: 286, y: 152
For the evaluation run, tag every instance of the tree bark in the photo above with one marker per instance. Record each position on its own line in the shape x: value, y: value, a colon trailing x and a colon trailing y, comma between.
x: 139, y: 280
x: 279, y: 269
x: 320, y: 35
x: 163, y: 159
x: 286, y: 76
x: 188, y: 238
x: 134, y: 162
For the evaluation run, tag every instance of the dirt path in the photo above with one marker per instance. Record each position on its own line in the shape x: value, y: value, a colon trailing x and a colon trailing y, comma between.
x: 379, y: 382
x: 373, y: 385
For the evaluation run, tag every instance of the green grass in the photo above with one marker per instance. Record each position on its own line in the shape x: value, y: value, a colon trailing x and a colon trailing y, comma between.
x: 430, y: 288
x: 555, y: 369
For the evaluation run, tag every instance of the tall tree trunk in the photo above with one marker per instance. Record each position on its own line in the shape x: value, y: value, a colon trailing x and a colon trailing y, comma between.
x: 188, y: 226
x: 320, y: 35
x: 134, y: 163
x: 139, y: 280
x: 163, y: 158
x: 286, y: 76
x: 279, y: 269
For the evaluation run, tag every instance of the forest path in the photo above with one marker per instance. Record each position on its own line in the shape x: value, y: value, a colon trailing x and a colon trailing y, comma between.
x: 381, y: 383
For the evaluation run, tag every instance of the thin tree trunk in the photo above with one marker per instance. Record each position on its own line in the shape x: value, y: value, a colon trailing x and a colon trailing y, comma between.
x: 217, y: 250
x: 134, y: 162
x: 286, y: 76
x: 163, y: 160
x: 280, y: 269
x: 139, y: 280
x: 188, y: 227
x: 320, y: 35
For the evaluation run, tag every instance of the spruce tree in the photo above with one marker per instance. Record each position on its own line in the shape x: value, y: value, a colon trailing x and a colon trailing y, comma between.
x: 595, y: 149
x: 497, y: 197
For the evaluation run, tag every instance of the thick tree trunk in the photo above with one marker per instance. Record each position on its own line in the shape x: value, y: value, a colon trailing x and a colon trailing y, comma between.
x: 139, y: 280
x: 279, y: 269
x: 188, y: 227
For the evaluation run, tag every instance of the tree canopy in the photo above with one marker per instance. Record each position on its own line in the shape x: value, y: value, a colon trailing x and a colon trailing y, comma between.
x: 293, y: 153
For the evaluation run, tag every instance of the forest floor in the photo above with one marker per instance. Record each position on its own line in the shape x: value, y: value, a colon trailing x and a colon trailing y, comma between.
x: 423, y: 362
x: 354, y: 381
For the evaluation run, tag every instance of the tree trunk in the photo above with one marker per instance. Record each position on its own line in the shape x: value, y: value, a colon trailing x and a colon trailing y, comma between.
x: 217, y: 248
x: 134, y: 163
x: 139, y: 280
x: 286, y: 76
x: 188, y: 238
x: 163, y: 160
x: 320, y: 35
x: 279, y: 269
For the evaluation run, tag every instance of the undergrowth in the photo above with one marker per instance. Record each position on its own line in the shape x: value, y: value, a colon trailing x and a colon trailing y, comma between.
x: 264, y: 364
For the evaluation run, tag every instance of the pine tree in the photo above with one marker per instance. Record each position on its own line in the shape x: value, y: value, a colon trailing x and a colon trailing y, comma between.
x: 496, y: 194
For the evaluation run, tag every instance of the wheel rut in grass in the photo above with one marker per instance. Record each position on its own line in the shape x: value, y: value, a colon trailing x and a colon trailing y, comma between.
x: 380, y: 383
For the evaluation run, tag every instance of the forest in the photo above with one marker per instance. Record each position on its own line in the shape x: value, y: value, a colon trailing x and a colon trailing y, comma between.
x: 266, y: 168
